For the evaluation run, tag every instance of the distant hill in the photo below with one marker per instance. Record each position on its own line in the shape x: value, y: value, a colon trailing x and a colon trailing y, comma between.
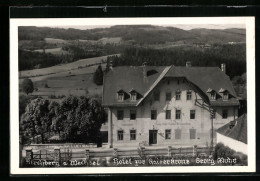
x: 140, y: 34
x: 220, y: 36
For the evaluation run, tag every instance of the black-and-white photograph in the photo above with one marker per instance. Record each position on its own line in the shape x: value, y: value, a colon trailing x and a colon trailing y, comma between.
x: 157, y: 93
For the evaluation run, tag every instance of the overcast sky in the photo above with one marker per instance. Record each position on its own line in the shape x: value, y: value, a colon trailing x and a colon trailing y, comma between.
x: 182, y: 26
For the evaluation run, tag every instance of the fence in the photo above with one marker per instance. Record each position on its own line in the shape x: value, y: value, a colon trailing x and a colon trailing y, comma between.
x: 62, y: 145
x: 64, y: 154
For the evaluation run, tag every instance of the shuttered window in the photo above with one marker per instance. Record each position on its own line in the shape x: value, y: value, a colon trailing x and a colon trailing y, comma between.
x: 192, y: 134
x: 178, y: 134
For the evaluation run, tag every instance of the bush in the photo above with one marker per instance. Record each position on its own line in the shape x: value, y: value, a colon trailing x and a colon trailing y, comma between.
x: 27, y: 86
x: 52, y: 97
x: 224, y: 151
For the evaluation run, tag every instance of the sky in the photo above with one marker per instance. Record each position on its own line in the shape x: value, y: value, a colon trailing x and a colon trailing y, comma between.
x: 181, y: 26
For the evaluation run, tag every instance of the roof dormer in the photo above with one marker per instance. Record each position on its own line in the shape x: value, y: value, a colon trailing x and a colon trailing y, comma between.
x: 133, y: 95
x: 212, y: 94
x: 120, y: 95
x: 224, y: 93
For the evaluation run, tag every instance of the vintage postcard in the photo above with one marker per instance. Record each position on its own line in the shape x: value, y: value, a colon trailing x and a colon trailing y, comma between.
x: 132, y: 95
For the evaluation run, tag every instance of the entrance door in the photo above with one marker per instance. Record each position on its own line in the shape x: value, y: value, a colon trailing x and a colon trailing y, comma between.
x: 152, y: 137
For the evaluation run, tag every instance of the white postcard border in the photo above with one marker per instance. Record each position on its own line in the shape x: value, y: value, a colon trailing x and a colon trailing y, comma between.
x: 14, y: 92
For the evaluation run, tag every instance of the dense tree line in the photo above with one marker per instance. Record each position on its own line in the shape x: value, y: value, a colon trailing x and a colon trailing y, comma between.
x: 75, y: 119
x: 30, y: 60
x: 234, y: 56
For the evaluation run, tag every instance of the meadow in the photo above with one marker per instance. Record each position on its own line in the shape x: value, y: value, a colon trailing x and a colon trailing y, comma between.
x: 63, y: 67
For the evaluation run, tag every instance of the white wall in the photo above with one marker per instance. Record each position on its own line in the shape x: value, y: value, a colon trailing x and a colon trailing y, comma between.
x: 143, y: 123
x: 231, y: 143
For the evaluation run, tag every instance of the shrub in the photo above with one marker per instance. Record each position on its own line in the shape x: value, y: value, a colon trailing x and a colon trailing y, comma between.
x: 27, y: 86
x: 46, y: 85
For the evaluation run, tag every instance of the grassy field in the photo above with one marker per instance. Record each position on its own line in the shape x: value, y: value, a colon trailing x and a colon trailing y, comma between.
x: 54, y: 41
x: 54, y: 51
x: 114, y: 40
x: 67, y: 79
x: 63, y: 67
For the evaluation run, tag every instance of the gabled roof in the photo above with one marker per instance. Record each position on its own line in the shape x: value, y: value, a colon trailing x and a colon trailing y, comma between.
x: 128, y: 78
x: 132, y: 78
x: 236, y: 129
x: 206, y: 78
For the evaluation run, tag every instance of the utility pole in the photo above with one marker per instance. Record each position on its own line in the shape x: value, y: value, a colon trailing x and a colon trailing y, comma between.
x: 211, y: 117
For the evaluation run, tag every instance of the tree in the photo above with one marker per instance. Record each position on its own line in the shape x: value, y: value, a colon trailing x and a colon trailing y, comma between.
x: 98, y: 76
x: 35, y: 120
x: 27, y: 86
x: 84, y: 117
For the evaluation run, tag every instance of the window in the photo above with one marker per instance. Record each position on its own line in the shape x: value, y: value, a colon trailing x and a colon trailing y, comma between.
x: 156, y: 96
x: 178, y: 114
x: 133, y: 96
x: 213, y: 96
x: 213, y: 114
x: 120, y: 96
x: 178, y: 134
x: 168, y: 96
x: 188, y: 95
x: 178, y: 95
x: 167, y: 134
x: 132, y: 134
x: 120, y: 114
x: 224, y: 114
x: 192, y: 134
x: 168, y: 114
x: 120, y: 135
x: 192, y: 114
x: 132, y: 114
x: 153, y: 114
x: 225, y: 95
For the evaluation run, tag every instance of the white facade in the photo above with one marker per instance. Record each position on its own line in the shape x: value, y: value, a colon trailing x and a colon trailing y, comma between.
x: 192, y: 131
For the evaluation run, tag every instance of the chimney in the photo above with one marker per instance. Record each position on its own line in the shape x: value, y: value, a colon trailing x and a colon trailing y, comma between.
x: 223, y: 67
x: 144, y: 70
x: 188, y: 64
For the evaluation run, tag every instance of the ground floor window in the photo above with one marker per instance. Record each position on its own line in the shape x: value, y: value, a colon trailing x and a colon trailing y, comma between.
x: 178, y: 134
x: 132, y: 134
x: 120, y: 135
x: 167, y: 134
x: 192, y: 134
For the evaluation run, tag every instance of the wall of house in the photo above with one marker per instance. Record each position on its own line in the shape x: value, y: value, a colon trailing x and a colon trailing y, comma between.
x: 143, y: 122
x: 231, y: 143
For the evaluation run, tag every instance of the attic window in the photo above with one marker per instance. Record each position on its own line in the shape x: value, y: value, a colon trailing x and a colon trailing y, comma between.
x: 225, y: 95
x: 213, y: 95
x: 151, y: 72
x: 120, y: 96
x: 133, y: 96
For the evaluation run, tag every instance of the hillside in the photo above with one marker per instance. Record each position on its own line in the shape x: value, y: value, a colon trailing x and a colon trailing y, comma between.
x: 144, y: 34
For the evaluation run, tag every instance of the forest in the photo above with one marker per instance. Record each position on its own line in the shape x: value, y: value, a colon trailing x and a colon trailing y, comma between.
x: 234, y: 56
